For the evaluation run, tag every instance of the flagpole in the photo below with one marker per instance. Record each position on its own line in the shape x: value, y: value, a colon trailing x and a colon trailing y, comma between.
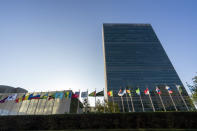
x: 141, y: 100
x: 45, y: 102
x: 172, y: 100
x: 104, y: 100
x: 151, y: 101
x: 21, y: 104
x: 12, y: 105
x: 162, y: 102
x: 122, y: 104
x: 5, y: 104
x: 161, y: 99
x: 53, y: 103
x: 29, y: 103
x: 127, y: 102
x: 132, y: 103
x: 113, y: 102
x: 37, y: 104
x: 87, y: 101
x: 78, y: 103
x: 182, y: 98
x: 95, y: 98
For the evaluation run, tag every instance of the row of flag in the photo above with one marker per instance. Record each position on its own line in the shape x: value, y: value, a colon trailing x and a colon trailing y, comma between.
x: 85, y: 94
x: 55, y: 95
x: 146, y: 91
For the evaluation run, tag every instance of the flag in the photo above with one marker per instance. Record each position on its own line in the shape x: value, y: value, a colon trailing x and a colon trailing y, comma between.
x: 4, y: 100
x: 59, y: 95
x: 20, y: 99
x: 158, y: 90
x: 45, y: 96
x: 52, y: 96
x: 84, y: 94
x: 138, y: 91
x: 76, y: 95
x: 179, y: 88
x: 128, y: 91
x: 121, y: 93
x: 101, y: 93
x: 26, y: 97
x: 68, y: 94
x: 93, y: 93
x: 146, y: 91
x: 12, y: 97
x: 169, y: 89
x: 110, y: 93
x: 33, y: 97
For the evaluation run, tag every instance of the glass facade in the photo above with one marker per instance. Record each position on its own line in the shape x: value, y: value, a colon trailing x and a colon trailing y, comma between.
x: 134, y: 58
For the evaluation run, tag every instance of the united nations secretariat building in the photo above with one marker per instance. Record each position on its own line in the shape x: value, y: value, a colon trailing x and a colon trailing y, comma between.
x: 139, y: 77
x: 135, y: 59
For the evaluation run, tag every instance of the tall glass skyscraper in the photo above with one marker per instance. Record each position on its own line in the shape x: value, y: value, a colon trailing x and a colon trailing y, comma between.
x: 134, y: 58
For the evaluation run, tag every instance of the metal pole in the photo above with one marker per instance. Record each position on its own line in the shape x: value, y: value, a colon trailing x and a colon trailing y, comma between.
x: 95, y: 97
x: 87, y: 102
x: 113, y: 103
x: 53, y: 104
x: 172, y: 101
x: 37, y: 104
x: 182, y: 97
x: 162, y: 102
x: 142, y: 103
x: 132, y: 104
x: 78, y: 103
x: 28, y: 105
x: 122, y: 104
x: 151, y: 102
x: 128, y: 102
x: 45, y: 102
x: 21, y: 104
x: 104, y: 100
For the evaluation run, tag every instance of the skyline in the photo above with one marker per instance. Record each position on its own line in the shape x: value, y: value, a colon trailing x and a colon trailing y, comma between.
x: 50, y: 45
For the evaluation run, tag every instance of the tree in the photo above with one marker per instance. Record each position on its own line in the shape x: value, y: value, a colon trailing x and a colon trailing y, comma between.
x: 106, y: 107
x: 86, y: 105
x: 193, y: 88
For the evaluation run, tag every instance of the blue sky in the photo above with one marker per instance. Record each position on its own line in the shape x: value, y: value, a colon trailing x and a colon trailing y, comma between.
x: 57, y: 44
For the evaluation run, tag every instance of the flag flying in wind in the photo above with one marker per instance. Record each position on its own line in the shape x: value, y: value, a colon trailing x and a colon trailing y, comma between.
x: 146, y: 91
x: 121, y: 92
x: 138, y: 91
x: 12, y: 97
x: 101, y: 93
x: 26, y: 97
x: 110, y: 93
x: 128, y: 91
x: 59, y: 95
x: 4, y: 100
x: 179, y: 88
x: 84, y: 94
x: 20, y: 99
x: 68, y: 94
x: 169, y: 89
x: 93, y: 93
x: 52, y: 96
x: 31, y: 96
x: 45, y: 96
x: 158, y: 90
x: 76, y: 95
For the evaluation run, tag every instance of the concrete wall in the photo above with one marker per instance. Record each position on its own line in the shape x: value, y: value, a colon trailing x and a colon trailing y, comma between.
x: 34, y: 106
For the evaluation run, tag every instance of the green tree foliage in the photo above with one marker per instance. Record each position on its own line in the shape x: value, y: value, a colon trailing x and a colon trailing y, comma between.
x: 106, y: 107
x: 86, y: 105
x: 193, y: 88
